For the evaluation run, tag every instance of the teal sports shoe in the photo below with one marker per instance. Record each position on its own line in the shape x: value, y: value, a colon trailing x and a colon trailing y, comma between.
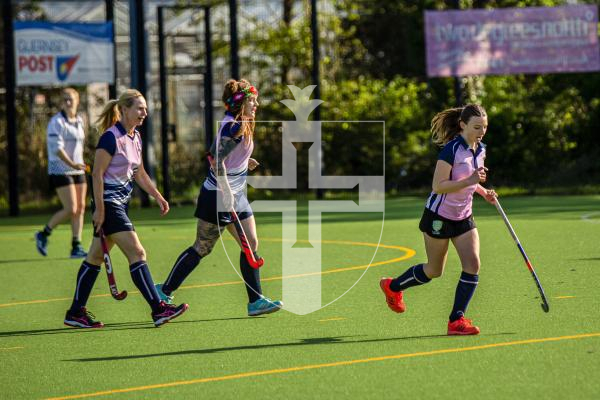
x: 264, y: 305
x: 163, y: 297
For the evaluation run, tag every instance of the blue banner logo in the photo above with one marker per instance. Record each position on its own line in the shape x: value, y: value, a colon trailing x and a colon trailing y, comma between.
x: 64, y: 65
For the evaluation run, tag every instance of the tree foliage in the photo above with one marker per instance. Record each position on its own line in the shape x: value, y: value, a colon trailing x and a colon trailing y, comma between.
x: 542, y: 128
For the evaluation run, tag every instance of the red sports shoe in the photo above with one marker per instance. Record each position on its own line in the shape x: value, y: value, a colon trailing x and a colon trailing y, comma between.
x: 462, y: 326
x: 394, y: 299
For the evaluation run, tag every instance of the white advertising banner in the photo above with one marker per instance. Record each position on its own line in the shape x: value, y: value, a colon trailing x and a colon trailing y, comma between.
x: 49, y: 53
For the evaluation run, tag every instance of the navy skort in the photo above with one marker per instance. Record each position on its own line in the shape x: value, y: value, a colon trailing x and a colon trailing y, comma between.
x: 116, y: 218
x: 439, y: 227
x: 206, y: 208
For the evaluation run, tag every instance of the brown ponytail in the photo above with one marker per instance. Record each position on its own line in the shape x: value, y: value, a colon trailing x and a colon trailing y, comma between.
x: 445, y: 126
x: 232, y: 87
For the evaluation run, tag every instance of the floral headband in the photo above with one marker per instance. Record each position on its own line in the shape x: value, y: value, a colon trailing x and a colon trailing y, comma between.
x: 238, y: 97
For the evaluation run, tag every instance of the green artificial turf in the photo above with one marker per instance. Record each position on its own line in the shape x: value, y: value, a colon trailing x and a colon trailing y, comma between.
x: 353, y: 348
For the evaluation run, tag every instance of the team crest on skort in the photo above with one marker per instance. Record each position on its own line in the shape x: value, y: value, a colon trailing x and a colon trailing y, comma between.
x: 436, y: 226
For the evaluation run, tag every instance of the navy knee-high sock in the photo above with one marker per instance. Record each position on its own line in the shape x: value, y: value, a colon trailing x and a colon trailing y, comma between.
x: 47, y: 231
x: 411, y: 277
x: 464, y: 292
x: 185, y: 264
x: 251, y: 277
x: 85, y: 282
x: 140, y: 274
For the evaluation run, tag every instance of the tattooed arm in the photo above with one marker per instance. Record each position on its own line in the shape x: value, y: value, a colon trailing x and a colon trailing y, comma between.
x: 225, y: 146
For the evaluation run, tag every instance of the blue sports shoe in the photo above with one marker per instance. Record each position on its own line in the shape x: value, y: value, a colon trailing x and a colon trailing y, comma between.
x: 264, y: 305
x: 41, y: 242
x: 78, y: 252
x: 163, y: 297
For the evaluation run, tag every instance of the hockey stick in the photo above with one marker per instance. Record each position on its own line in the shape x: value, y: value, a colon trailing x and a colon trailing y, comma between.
x: 112, y: 283
x: 109, y: 271
x: 545, y: 305
x: 252, y: 260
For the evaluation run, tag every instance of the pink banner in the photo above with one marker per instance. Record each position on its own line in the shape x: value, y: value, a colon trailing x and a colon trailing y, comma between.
x: 512, y: 41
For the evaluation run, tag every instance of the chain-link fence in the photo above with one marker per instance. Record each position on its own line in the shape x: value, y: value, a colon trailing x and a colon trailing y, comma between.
x: 265, y: 31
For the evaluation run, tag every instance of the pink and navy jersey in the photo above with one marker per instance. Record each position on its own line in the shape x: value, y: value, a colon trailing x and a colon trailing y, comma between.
x: 464, y: 161
x: 126, y: 152
x: 236, y: 162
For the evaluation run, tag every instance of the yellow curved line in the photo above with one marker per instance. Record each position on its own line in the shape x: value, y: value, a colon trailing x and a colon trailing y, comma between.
x: 409, y: 253
x: 326, y: 365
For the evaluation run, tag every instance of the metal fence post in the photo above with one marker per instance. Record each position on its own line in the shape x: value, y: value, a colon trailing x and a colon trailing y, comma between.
x: 11, y: 127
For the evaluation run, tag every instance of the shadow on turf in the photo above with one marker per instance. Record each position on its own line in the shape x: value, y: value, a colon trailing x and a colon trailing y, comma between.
x: 117, y: 326
x: 302, y: 342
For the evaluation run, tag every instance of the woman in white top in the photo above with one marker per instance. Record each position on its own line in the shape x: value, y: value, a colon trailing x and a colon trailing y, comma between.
x: 66, y: 170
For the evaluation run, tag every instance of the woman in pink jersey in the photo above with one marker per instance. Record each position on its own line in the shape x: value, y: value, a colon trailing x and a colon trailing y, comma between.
x: 231, y: 150
x: 117, y: 165
x: 458, y: 174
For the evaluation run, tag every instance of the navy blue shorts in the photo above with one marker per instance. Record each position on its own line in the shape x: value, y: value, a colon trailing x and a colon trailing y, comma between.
x: 206, y: 208
x: 116, y: 219
x: 439, y: 227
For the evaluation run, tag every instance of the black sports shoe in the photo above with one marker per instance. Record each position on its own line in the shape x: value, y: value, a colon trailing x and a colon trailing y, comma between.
x: 168, y: 312
x: 78, y: 252
x: 82, y: 319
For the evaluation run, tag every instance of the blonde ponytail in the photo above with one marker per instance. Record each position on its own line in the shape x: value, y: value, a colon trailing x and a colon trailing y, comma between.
x: 111, y: 113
